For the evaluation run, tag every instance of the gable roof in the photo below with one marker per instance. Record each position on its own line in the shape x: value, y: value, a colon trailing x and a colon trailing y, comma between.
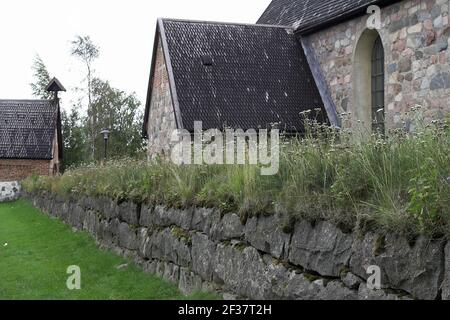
x: 309, y: 15
x: 236, y: 75
x: 55, y: 86
x: 27, y: 128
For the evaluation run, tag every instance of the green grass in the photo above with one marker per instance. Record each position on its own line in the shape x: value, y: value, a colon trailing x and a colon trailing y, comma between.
x: 39, y: 249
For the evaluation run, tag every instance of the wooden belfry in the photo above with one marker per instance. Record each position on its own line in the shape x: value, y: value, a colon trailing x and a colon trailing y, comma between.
x: 55, y: 86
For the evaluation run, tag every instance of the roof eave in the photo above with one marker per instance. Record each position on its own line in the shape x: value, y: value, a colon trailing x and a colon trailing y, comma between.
x: 150, y: 83
x: 169, y: 69
x: 161, y: 35
x: 357, y: 12
x: 32, y: 159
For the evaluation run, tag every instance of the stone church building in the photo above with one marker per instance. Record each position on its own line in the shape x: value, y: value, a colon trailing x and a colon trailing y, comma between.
x: 302, y: 55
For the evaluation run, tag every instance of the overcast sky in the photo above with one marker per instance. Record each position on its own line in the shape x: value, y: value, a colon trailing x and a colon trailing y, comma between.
x: 124, y: 30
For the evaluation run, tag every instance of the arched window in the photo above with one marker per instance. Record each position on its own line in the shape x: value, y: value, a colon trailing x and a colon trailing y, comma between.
x: 368, y: 83
x: 378, y: 87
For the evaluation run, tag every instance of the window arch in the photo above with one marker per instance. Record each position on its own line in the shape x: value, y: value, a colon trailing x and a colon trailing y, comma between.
x: 369, y: 82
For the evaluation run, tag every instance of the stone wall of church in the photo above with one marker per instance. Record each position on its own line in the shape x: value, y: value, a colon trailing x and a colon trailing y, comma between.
x: 415, y: 35
x: 161, y: 121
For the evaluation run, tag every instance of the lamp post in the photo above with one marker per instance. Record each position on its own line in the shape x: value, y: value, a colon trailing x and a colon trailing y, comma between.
x: 105, y: 133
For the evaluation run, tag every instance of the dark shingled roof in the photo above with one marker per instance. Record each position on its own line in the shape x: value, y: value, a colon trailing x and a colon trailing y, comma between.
x: 258, y: 75
x: 27, y: 128
x: 307, y: 15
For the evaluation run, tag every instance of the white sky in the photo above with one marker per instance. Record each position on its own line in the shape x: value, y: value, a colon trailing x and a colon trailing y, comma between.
x: 123, y: 29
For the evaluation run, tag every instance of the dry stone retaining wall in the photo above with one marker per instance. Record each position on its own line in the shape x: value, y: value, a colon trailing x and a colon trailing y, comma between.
x: 202, y: 249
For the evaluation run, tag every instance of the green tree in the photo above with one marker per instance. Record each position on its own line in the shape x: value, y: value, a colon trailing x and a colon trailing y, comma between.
x: 41, y: 79
x: 121, y: 113
x: 87, y: 51
x: 74, y: 139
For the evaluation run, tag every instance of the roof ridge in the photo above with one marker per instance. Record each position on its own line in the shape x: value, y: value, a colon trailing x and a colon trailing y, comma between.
x: 227, y: 23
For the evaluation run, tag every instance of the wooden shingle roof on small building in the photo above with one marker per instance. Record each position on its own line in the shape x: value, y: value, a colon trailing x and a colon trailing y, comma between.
x: 28, y: 128
x: 236, y: 75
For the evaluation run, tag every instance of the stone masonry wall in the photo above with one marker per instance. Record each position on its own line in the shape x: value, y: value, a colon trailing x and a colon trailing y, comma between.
x: 162, y: 117
x: 17, y: 170
x: 202, y: 249
x: 415, y: 35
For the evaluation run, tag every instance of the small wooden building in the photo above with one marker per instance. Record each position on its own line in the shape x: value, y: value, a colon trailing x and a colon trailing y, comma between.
x: 30, y: 136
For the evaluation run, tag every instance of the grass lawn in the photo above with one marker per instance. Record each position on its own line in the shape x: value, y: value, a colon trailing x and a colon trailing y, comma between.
x: 36, y: 250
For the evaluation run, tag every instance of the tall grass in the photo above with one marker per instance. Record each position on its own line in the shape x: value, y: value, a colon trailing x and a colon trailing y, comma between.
x: 395, y: 183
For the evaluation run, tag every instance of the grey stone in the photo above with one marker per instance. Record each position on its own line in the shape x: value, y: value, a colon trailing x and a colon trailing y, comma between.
x: 435, y: 11
x: 229, y: 227
x: 65, y: 211
x: 202, y: 219
x: 203, y: 253
x: 419, y: 55
x: 107, y: 207
x: 181, y: 217
x: 99, y: 204
x: 404, y: 64
x: 143, y: 240
x: 189, y: 282
x: 442, y: 44
x: 392, y: 68
x: 76, y: 217
x: 335, y: 290
x: 446, y: 282
x: 160, y: 218
x: 229, y: 297
x: 91, y: 222
x: 166, y: 246
x: 160, y: 267
x: 265, y: 233
x: 171, y: 272
x: 324, y: 249
x: 110, y: 231
x: 88, y: 203
x: 440, y: 81
x: 129, y: 212
x: 417, y: 270
x: 402, y: 23
x: 344, y: 104
x: 150, y: 266
x: 127, y: 237
x: 9, y: 191
x: 167, y: 217
x: 365, y: 293
x: 145, y: 218
x: 431, y: 50
x: 351, y: 281
x: 290, y: 285
x: 242, y: 271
